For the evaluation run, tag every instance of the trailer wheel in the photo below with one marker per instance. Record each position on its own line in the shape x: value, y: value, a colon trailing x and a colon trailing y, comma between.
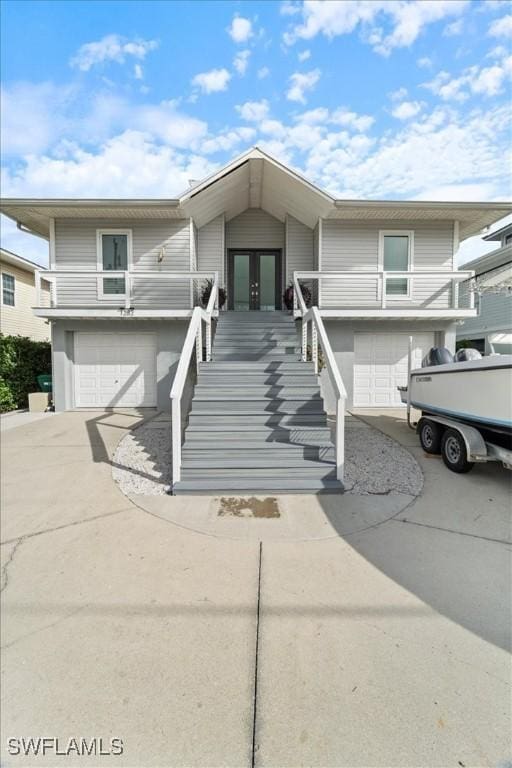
x: 454, y: 452
x: 430, y: 435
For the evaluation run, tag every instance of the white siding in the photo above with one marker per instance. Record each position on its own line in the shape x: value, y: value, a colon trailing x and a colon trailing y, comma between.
x: 75, y: 248
x: 495, y: 315
x: 299, y: 251
x: 254, y: 228
x: 354, y: 245
x: 211, y: 247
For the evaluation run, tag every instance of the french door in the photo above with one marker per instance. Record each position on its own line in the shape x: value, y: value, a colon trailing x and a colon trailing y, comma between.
x: 254, y: 280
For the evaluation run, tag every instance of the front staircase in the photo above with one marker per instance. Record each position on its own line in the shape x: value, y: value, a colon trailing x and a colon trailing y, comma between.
x: 257, y: 422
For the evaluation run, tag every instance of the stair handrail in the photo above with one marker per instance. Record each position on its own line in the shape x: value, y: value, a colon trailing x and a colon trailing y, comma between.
x: 319, y: 334
x: 193, y: 340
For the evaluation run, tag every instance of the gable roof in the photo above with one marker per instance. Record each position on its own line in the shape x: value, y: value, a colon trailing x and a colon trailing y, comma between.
x: 254, y: 179
x: 8, y: 257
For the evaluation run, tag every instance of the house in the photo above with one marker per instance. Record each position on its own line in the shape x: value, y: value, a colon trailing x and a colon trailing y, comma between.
x: 491, y: 331
x: 126, y: 277
x: 19, y: 297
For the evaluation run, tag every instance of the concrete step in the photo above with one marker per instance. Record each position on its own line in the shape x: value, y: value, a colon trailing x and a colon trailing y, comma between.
x: 256, y: 407
x: 249, y: 421
x: 255, y: 380
x: 256, y: 435
x: 253, y: 484
x: 251, y: 392
x: 221, y: 345
x: 256, y: 460
x: 247, y: 367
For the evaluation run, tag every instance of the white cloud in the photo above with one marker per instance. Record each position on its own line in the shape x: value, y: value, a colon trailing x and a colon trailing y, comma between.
x: 453, y: 29
x: 407, y: 109
x: 425, y: 62
x: 501, y: 27
x: 289, y: 8
x: 406, y: 19
x: 399, y: 94
x: 137, y: 167
x: 33, y: 116
x: 253, y: 111
x: 111, y: 48
x: 300, y: 83
x: 304, y: 55
x: 213, y: 81
x: 241, y: 62
x: 138, y: 72
x: 240, y: 29
x: 227, y: 141
x: 485, y: 81
x: 351, y: 119
x: 319, y: 115
x: 263, y: 72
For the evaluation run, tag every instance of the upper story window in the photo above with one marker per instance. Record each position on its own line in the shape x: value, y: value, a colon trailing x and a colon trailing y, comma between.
x: 396, y: 255
x: 114, y: 254
x: 8, y: 284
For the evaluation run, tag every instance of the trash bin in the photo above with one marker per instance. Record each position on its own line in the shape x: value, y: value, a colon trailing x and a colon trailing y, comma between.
x: 44, y: 382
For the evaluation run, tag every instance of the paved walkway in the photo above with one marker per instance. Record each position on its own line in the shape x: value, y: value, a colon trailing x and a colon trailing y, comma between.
x: 384, y: 647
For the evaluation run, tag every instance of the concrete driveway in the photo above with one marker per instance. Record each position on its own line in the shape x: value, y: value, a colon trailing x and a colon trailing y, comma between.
x: 384, y: 647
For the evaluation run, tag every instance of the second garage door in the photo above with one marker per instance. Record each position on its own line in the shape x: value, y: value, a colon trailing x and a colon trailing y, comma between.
x: 380, y: 366
x: 115, y: 370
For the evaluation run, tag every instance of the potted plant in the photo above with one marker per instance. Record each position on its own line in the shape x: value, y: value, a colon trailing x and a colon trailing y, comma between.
x: 288, y: 296
x: 206, y: 292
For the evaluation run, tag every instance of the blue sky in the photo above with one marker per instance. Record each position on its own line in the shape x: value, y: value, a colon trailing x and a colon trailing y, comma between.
x: 383, y: 99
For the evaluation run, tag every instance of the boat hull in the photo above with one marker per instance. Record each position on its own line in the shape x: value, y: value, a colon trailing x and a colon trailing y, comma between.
x: 475, y: 392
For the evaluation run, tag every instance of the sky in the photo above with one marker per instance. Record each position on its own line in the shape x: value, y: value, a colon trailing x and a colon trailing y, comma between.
x: 369, y: 99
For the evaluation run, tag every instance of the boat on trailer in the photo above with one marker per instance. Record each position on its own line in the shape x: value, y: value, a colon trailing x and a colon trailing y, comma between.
x: 466, y: 410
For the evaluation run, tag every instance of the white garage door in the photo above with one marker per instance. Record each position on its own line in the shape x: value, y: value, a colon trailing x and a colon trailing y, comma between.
x: 115, y: 369
x: 380, y: 366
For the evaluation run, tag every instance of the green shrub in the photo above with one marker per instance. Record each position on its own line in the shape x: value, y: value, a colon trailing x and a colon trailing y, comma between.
x: 21, y: 360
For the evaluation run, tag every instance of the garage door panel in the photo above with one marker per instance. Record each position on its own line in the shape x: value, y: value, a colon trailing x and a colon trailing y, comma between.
x: 115, y: 369
x: 380, y: 366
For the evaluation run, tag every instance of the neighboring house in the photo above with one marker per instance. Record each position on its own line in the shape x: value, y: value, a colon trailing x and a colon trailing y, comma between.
x: 491, y: 331
x: 253, y: 215
x: 19, y: 298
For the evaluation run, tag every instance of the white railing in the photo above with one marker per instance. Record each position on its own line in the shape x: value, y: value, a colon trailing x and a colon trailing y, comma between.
x: 319, y: 337
x: 129, y: 276
x: 380, y: 277
x: 193, y: 341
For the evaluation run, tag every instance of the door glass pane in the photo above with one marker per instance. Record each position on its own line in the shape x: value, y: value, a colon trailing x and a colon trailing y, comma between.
x: 267, y: 282
x: 396, y: 253
x: 396, y: 259
x: 114, y: 249
x: 241, y: 263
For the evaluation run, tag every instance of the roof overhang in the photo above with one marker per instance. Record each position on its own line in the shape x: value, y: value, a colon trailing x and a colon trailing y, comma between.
x: 7, y: 257
x: 35, y: 215
x: 256, y: 180
x: 472, y: 217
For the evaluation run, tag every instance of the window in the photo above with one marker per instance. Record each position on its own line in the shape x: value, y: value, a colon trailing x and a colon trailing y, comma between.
x: 114, y: 253
x: 7, y: 290
x: 508, y: 239
x: 396, y: 256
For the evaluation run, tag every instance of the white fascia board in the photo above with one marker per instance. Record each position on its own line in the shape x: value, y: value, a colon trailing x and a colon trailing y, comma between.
x: 63, y: 313
x: 408, y: 314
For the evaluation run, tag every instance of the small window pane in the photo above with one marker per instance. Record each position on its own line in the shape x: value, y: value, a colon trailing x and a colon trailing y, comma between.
x: 8, y: 290
x: 113, y: 285
x: 396, y: 253
x: 396, y: 287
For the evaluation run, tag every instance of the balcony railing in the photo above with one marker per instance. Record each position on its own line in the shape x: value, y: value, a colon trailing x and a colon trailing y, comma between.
x: 368, y: 289
x: 136, y: 289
